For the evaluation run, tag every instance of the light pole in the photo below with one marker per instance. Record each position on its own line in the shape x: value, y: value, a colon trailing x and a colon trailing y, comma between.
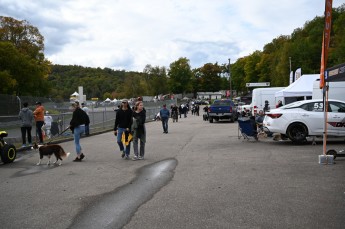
x: 230, y: 80
x: 290, y: 63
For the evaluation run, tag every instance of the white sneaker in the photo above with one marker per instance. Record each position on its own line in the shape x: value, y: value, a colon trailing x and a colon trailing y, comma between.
x: 141, y: 157
x: 135, y: 158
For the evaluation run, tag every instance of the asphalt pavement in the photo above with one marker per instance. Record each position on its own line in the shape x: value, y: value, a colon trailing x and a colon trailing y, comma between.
x: 215, y: 180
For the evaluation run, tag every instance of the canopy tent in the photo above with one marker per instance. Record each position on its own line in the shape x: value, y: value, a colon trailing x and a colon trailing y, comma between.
x: 107, y: 100
x: 75, y: 94
x: 301, y: 87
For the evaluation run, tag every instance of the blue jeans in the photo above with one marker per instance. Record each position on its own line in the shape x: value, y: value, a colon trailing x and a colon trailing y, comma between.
x: 77, y: 132
x: 39, y: 125
x: 165, y: 124
x: 119, y: 142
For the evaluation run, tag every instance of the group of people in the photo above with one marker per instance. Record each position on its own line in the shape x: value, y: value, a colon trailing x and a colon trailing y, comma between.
x: 131, y: 121
x: 43, y: 122
x: 27, y: 117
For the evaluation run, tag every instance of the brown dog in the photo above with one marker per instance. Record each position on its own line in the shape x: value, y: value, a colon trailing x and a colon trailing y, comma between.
x: 49, y: 150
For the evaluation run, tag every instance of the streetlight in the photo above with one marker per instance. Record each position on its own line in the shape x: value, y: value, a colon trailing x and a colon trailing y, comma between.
x: 230, y: 80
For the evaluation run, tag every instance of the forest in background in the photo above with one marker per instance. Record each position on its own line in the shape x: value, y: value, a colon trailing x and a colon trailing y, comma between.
x: 23, y: 67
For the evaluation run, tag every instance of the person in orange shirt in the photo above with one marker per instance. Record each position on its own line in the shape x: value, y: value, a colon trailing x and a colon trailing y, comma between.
x: 39, y: 119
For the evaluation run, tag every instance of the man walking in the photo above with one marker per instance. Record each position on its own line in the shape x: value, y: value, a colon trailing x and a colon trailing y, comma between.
x: 165, y: 114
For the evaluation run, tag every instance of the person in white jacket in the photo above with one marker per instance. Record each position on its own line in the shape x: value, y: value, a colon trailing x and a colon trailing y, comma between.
x: 47, y: 124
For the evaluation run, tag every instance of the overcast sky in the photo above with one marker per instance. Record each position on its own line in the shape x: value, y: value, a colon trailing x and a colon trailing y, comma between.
x: 129, y: 34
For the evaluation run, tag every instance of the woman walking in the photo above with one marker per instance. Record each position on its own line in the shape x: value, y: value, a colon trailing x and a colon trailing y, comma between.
x: 123, y: 122
x: 139, y: 130
x: 77, y: 125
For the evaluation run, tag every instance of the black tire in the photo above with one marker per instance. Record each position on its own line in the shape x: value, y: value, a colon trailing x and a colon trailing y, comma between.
x: 332, y: 152
x: 8, y: 153
x: 297, y: 132
x: 210, y: 120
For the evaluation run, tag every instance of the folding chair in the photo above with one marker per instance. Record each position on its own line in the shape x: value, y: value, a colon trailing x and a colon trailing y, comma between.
x: 247, y: 129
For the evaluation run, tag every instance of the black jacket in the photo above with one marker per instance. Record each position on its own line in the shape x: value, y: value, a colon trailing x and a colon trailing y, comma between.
x: 79, y: 117
x: 141, y: 118
x: 123, y: 119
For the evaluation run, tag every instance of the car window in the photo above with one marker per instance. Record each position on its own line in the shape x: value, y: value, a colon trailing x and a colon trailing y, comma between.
x: 336, y: 107
x: 313, y: 106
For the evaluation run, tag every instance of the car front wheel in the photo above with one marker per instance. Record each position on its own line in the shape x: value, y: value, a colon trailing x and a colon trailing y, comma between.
x: 8, y: 153
x: 297, y: 132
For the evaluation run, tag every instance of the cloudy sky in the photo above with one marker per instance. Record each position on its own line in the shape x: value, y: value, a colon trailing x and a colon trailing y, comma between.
x: 129, y: 34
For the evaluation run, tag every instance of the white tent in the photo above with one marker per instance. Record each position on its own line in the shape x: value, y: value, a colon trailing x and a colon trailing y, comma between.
x: 107, y: 100
x: 301, y: 87
x: 75, y: 94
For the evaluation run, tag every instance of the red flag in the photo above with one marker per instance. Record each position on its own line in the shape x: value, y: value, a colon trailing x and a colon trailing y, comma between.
x: 325, y: 40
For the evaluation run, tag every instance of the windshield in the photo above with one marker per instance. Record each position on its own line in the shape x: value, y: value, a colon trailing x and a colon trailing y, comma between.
x: 222, y: 103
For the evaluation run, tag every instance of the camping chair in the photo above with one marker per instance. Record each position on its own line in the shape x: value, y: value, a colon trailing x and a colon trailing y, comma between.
x: 246, y: 129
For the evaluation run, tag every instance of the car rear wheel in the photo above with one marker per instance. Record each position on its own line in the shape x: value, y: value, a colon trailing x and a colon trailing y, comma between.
x: 297, y: 132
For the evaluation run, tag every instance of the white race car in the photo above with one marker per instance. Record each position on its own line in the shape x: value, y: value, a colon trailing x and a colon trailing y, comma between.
x: 306, y: 118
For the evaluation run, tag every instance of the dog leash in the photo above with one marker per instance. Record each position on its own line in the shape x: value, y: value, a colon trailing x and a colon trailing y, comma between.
x: 58, y: 135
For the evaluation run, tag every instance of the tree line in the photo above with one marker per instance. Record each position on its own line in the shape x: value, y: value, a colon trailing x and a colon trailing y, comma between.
x: 25, y: 71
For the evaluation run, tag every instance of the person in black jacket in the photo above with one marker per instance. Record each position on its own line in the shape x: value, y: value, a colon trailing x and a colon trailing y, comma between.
x: 139, y: 130
x: 77, y: 125
x: 123, y: 123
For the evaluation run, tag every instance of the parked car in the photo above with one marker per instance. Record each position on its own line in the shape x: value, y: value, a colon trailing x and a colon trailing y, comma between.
x: 222, y: 109
x: 306, y: 118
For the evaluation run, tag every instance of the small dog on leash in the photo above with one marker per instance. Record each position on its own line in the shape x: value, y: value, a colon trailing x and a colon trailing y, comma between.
x: 49, y: 150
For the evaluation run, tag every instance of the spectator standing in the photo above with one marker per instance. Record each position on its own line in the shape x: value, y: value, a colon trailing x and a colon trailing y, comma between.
x: 77, y: 125
x: 180, y: 110
x: 139, y: 130
x: 87, y: 126
x: 123, y: 122
x: 26, y: 117
x: 39, y: 119
x: 185, y: 110
x: 48, y: 124
x: 165, y: 114
x: 279, y: 104
x: 267, y: 106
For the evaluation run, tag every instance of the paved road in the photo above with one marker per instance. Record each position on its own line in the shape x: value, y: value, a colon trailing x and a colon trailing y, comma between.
x: 218, y: 181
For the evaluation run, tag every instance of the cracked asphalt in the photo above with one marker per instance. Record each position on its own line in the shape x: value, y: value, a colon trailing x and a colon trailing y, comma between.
x: 212, y: 180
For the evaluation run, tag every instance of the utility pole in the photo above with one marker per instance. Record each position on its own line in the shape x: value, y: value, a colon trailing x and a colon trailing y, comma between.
x: 230, y: 80
x: 290, y: 63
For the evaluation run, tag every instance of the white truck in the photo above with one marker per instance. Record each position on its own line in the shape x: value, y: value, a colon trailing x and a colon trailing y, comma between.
x: 336, y: 90
x: 260, y: 95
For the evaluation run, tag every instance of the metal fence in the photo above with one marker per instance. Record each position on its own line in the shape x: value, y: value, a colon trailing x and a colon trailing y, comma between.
x: 102, y: 118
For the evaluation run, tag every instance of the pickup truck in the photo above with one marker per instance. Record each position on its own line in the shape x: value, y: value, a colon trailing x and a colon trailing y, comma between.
x: 222, y: 109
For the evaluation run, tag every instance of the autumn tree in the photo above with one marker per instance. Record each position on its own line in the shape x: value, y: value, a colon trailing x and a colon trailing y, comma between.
x: 180, y: 74
x: 156, y: 80
x: 211, y: 79
x: 25, y: 45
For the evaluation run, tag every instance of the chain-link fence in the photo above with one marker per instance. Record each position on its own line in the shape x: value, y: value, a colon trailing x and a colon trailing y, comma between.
x: 102, y: 117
